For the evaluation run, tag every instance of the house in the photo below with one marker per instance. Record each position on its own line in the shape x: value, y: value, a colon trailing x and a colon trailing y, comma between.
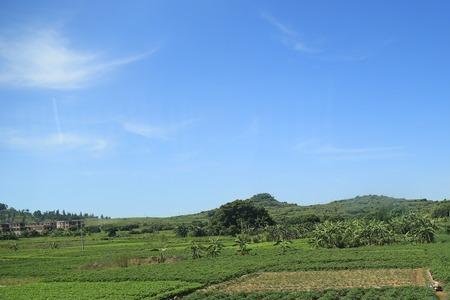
x: 69, y: 224
x: 5, y: 227
x: 18, y: 228
x: 41, y: 226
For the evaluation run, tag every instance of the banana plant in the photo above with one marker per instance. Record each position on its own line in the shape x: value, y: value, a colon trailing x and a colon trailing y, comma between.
x: 241, y: 241
x: 214, y: 248
x: 196, y: 250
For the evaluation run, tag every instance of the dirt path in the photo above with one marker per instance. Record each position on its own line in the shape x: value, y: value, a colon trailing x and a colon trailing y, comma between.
x: 441, y: 295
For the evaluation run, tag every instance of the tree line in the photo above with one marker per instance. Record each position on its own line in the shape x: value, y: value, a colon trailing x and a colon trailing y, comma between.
x: 12, y: 215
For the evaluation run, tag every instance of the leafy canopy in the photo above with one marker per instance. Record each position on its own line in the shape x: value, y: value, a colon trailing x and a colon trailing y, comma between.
x: 237, y: 215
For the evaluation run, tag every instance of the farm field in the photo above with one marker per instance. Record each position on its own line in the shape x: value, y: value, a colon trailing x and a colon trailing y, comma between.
x: 126, y: 267
x: 320, y: 280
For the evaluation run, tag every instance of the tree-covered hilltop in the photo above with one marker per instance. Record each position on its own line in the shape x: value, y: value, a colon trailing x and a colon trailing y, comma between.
x: 368, y: 206
x: 12, y: 215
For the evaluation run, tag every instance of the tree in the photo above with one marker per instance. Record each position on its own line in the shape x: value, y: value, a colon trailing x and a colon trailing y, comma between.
x: 196, y: 250
x: 416, y: 227
x: 284, y: 245
x: 242, y: 241
x: 112, y: 232
x: 441, y: 210
x: 234, y: 216
x: 197, y: 229
x: 214, y: 248
x: 3, y: 206
x: 37, y: 214
x: 182, y: 230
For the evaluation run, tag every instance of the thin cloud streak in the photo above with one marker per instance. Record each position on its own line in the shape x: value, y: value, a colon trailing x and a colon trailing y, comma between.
x: 45, y: 59
x: 155, y: 132
x: 60, y: 141
x: 290, y: 37
x: 147, y: 131
x: 317, y: 148
x: 336, y: 150
x: 56, y: 116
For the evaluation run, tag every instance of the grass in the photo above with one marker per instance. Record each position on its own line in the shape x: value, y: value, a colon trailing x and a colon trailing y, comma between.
x: 126, y: 261
x: 403, y: 293
x: 97, y: 290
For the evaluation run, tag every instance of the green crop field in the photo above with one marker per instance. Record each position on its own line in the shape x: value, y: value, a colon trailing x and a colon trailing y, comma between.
x: 126, y: 268
x: 384, y: 254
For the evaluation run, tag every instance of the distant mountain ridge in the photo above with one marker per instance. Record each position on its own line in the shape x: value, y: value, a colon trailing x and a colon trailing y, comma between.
x: 359, y: 206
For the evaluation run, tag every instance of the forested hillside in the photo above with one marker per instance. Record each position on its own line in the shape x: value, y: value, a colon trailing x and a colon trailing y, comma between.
x: 369, y: 206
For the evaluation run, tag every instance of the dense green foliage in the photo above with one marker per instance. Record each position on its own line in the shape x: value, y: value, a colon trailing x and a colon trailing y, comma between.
x: 12, y: 215
x: 405, y: 293
x: 97, y: 290
x: 103, y: 259
x: 370, y: 207
x: 441, y: 210
x: 233, y: 217
x: 152, y: 256
x: 355, y: 233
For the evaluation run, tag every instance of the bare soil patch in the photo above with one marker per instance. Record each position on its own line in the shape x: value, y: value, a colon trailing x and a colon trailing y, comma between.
x: 320, y: 280
x: 16, y: 281
x: 126, y: 262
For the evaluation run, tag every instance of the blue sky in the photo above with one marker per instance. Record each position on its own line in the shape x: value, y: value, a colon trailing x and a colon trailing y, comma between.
x: 156, y: 108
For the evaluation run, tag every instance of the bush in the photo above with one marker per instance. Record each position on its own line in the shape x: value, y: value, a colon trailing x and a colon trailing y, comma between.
x: 235, y: 216
x: 181, y: 230
x: 92, y: 229
x: 355, y: 233
x: 8, y: 236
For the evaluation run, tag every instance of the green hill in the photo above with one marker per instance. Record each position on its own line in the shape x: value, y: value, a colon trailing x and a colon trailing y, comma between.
x: 360, y: 206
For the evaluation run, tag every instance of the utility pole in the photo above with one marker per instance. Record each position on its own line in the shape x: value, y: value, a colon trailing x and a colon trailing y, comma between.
x: 81, y: 235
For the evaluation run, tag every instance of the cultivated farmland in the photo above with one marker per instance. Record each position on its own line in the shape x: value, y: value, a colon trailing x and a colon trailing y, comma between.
x: 152, y: 261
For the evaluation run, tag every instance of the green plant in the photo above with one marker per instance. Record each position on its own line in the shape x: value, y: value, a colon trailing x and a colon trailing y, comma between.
x: 181, y: 230
x: 242, y: 241
x: 196, y: 250
x: 284, y: 245
x: 14, y: 246
x: 53, y: 245
x: 121, y: 261
x: 214, y: 247
x: 161, y: 255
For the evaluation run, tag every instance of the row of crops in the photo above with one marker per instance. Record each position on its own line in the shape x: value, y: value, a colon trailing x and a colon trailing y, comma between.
x: 97, y: 290
x: 64, y: 270
x: 406, y: 293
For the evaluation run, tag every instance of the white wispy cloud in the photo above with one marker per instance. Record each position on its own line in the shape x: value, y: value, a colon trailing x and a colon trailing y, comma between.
x: 322, y: 150
x: 155, y: 131
x: 61, y: 141
x: 346, y: 151
x: 46, y: 59
x: 290, y: 37
x: 363, y: 153
x: 147, y: 131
